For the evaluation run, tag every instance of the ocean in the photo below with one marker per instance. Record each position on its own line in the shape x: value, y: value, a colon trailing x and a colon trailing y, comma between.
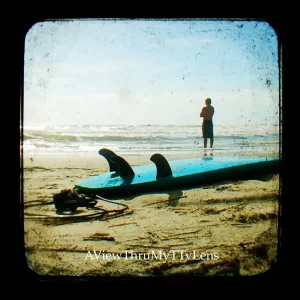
x: 148, y: 139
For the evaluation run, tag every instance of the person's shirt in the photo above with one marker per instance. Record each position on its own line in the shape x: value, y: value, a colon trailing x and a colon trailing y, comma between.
x: 207, y: 112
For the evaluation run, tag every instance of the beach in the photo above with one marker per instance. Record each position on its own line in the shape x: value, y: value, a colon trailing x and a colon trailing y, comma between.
x: 228, y: 228
x: 139, y: 88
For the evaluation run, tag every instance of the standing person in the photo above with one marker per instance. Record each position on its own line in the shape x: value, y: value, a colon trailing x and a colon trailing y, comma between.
x: 207, y: 113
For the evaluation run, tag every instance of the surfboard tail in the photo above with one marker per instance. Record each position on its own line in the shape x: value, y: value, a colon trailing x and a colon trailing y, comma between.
x: 117, y: 164
x: 162, y: 166
x: 108, y: 154
x: 123, y: 167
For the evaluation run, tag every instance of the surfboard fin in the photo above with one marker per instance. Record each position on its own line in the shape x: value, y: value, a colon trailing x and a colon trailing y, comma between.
x: 108, y: 154
x: 123, y: 167
x: 162, y: 166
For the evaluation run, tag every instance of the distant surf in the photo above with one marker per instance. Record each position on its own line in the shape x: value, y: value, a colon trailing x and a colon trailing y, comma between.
x: 147, y: 139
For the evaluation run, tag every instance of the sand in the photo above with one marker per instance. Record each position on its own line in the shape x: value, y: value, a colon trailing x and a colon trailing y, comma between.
x: 228, y: 228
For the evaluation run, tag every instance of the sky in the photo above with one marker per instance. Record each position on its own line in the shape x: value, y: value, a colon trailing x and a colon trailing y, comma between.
x: 144, y: 71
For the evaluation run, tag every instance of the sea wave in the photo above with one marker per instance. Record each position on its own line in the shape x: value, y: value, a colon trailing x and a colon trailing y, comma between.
x: 88, y: 139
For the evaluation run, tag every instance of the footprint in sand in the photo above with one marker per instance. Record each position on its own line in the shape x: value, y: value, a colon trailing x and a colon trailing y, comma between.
x: 227, y: 187
x: 223, y: 187
x: 53, y: 186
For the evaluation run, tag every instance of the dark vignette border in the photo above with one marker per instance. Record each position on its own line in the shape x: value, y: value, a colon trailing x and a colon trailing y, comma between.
x: 268, y: 279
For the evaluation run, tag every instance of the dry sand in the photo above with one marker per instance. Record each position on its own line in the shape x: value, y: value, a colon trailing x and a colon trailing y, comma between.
x: 228, y: 228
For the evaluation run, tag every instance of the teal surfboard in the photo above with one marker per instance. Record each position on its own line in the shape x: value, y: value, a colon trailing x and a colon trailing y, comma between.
x: 160, y: 174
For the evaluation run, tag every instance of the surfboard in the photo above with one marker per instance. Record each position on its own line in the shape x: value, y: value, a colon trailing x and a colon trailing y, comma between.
x: 161, y: 174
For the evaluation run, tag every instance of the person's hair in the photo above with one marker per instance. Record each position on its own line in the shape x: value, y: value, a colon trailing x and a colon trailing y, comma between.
x: 208, y: 100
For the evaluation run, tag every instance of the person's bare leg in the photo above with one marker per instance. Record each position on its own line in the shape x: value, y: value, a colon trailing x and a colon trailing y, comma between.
x: 211, y: 146
x: 205, y: 146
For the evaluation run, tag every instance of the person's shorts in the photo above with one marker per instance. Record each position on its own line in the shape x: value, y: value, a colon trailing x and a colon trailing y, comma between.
x: 207, y: 129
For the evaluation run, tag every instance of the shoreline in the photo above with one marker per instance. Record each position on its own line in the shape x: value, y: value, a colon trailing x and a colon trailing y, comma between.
x: 95, y: 161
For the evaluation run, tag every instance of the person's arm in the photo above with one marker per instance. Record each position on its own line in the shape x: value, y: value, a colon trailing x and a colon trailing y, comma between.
x: 201, y: 113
